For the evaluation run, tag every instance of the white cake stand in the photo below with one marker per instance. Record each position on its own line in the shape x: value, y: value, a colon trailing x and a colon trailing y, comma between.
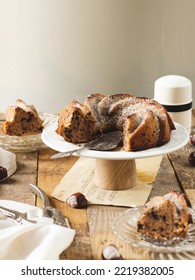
x: 115, y: 170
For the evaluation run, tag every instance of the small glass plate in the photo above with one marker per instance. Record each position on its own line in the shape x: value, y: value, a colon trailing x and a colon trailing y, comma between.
x: 26, y: 143
x: 125, y: 227
x: 173, y: 256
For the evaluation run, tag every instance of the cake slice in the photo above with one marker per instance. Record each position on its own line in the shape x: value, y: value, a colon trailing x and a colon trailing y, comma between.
x: 22, y: 119
x: 77, y: 124
x: 165, y: 217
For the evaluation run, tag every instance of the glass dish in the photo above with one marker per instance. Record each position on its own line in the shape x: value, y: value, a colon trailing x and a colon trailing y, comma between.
x: 26, y: 143
x: 125, y: 227
x: 173, y: 256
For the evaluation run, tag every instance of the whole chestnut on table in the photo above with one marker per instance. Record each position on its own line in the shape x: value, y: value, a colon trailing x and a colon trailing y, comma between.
x: 192, y: 139
x: 191, y: 158
x: 77, y: 200
x: 3, y: 173
x: 111, y: 252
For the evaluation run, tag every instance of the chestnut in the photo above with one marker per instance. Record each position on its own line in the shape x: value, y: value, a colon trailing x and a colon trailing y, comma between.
x: 191, y: 158
x: 77, y: 200
x: 3, y: 173
x: 111, y: 252
x: 192, y: 139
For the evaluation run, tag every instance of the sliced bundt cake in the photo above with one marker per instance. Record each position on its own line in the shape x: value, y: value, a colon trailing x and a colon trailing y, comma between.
x: 165, y: 217
x: 22, y: 119
x: 77, y: 124
x: 144, y: 122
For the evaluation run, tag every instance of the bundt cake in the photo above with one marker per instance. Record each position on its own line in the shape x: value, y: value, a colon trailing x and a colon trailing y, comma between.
x: 165, y: 217
x: 22, y: 119
x: 144, y: 122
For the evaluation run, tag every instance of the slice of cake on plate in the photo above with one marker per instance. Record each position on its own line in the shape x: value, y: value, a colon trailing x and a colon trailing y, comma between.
x: 22, y: 119
x: 165, y: 217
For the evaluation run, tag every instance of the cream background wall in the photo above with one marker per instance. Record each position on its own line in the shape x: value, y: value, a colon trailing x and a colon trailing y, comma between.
x: 52, y: 51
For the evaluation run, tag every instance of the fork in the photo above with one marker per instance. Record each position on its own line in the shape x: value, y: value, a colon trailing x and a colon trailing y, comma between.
x: 19, y: 217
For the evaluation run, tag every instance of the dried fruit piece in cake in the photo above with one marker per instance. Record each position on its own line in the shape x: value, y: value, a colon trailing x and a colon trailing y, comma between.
x: 165, y: 217
x: 22, y: 119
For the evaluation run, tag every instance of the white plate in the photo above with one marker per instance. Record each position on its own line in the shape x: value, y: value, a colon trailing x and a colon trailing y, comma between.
x: 179, y: 138
x: 125, y: 227
x: 26, y: 143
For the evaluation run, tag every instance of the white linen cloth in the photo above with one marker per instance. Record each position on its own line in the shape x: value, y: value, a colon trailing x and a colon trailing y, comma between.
x: 8, y: 160
x: 41, y: 241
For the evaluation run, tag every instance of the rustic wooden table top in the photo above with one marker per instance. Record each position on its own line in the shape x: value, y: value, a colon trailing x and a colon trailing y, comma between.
x: 92, y: 225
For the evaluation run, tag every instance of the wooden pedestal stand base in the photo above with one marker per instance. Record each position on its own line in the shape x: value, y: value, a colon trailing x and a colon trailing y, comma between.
x: 115, y: 174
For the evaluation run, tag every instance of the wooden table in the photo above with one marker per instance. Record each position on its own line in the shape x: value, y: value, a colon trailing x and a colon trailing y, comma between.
x: 92, y: 225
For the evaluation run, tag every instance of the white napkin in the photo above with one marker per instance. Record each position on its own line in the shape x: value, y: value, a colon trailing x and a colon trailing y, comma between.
x: 41, y: 241
x: 8, y: 160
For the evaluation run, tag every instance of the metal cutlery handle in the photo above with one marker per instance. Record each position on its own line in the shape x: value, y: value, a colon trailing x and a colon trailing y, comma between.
x: 66, y: 154
x: 37, y: 191
x: 48, y: 210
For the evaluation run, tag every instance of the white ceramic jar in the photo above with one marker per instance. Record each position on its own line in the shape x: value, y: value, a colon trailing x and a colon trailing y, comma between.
x: 174, y: 92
